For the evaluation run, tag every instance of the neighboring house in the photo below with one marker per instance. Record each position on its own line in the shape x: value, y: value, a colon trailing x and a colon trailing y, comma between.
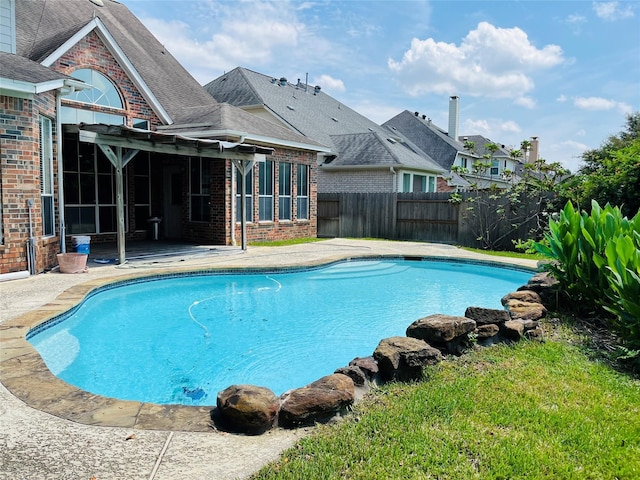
x: 449, y: 150
x: 97, y: 125
x: 362, y: 156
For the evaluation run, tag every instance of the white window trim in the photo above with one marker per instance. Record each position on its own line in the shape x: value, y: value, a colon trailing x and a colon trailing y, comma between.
x: 46, y: 174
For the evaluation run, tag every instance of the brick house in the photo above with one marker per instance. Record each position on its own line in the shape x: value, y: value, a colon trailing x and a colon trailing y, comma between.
x: 101, y: 130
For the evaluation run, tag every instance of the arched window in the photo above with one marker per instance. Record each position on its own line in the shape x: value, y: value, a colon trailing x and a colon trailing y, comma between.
x: 103, y: 92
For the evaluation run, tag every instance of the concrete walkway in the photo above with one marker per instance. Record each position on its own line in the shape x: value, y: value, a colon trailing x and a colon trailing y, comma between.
x: 39, y: 445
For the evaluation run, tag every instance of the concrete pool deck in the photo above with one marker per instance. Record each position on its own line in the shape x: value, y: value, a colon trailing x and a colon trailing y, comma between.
x: 49, y: 429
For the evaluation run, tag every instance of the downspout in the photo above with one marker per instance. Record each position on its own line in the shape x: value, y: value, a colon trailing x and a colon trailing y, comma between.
x: 234, y: 174
x: 63, y: 244
x: 395, y: 179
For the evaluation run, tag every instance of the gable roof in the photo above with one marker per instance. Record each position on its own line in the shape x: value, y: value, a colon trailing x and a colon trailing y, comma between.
x: 46, y: 29
x: 316, y: 115
x: 374, y: 150
x: 224, y: 120
x: 43, y: 26
x: 426, y: 136
x: 481, y: 148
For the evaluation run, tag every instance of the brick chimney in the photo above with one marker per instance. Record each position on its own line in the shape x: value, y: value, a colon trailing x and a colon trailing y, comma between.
x: 454, y: 116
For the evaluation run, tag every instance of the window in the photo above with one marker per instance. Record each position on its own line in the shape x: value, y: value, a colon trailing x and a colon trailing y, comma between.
x: 284, y: 191
x: 265, y: 191
x: 90, y: 191
x: 495, y: 167
x: 303, y: 193
x: 142, y: 185
x: 248, y: 196
x: 463, y: 162
x: 415, y: 183
x: 46, y: 177
x: 104, y: 94
x: 199, y: 189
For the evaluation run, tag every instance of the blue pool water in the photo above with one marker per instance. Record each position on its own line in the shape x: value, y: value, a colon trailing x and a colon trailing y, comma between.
x: 183, y: 339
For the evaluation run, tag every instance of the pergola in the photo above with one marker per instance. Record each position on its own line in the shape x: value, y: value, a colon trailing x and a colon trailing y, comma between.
x: 120, y: 144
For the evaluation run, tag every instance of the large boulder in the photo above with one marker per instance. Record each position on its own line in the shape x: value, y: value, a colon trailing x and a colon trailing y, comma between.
x: 403, y: 358
x: 247, y: 408
x: 523, y: 296
x: 545, y: 285
x: 317, y: 402
x: 486, y: 316
x: 513, y: 330
x: 525, y: 310
x: 445, y: 332
x: 355, y: 373
x: 367, y: 364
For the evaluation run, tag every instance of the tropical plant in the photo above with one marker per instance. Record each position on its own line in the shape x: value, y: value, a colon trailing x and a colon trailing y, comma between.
x: 596, y: 258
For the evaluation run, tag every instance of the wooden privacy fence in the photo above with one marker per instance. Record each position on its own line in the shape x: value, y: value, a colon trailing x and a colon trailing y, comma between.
x: 428, y: 217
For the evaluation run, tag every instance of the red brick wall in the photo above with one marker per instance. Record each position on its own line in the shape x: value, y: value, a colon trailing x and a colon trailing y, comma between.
x: 90, y: 52
x: 20, y: 167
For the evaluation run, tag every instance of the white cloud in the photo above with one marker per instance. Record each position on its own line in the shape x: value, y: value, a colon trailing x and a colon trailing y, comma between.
x: 570, y: 153
x: 599, y: 103
x: 526, y: 102
x: 612, y: 11
x: 510, y: 126
x: 329, y: 83
x: 562, y: 98
x: 476, y: 127
x: 581, y: 133
x: 228, y: 38
x: 576, y: 19
x: 490, y: 61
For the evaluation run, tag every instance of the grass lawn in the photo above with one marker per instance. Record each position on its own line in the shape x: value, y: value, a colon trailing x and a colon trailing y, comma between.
x: 525, y: 411
x: 500, y: 253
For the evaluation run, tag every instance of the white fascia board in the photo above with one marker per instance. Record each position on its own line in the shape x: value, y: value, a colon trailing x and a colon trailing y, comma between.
x: 121, y: 58
x: 250, y: 137
x: 22, y: 87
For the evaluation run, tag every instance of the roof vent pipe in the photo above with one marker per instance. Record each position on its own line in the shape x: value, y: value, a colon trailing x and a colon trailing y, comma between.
x: 454, y: 117
x: 283, y: 81
x: 316, y: 89
x: 416, y: 113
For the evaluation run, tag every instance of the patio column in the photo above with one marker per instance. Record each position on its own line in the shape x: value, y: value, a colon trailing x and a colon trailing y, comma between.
x: 244, y: 167
x: 119, y: 162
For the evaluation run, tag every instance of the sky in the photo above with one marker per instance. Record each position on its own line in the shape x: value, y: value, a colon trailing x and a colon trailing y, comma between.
x: 567, y: 72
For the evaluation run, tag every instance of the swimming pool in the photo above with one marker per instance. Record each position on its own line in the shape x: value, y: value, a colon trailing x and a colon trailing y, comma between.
x: 180, y: 340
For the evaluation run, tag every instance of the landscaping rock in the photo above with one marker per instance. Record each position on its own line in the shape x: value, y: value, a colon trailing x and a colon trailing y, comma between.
x: 525, y: 310
x: 523, y: 296
x: 355, y: 373
x: 545, y: 285
x: 367, y: 364
x: 486, y: 316
x: 247, y: 408
x: 487, y: 331
x: 438, y: 329
x: 536, y: 335
x: 317, y: 402
x: 513, y: 330
x: 403, y: 358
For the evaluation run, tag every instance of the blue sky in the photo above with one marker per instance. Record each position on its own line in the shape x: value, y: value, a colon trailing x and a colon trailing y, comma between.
x: 565, y: 71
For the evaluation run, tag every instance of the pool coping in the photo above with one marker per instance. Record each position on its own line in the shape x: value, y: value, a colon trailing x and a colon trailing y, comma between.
x: 26, y: 376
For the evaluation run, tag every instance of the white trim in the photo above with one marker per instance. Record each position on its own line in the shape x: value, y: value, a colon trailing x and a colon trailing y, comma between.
x: 213, y: 134
x: 121, y: 58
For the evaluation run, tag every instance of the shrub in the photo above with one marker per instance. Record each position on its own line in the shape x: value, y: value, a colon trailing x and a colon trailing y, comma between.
x: 596, y: 259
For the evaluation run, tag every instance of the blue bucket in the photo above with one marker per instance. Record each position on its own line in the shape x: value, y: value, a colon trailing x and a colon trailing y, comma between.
x: 81, y: 244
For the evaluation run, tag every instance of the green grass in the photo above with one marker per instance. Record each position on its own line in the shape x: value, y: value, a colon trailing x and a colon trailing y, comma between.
x: 282, y: 243
x: 500, y: 253
x: 528, y: 411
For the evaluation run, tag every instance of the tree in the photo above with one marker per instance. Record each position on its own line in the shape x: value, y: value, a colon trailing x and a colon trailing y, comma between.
x: 611, y: 173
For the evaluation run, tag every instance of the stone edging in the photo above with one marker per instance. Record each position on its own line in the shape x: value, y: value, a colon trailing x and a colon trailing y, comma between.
x: 25, y: 375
